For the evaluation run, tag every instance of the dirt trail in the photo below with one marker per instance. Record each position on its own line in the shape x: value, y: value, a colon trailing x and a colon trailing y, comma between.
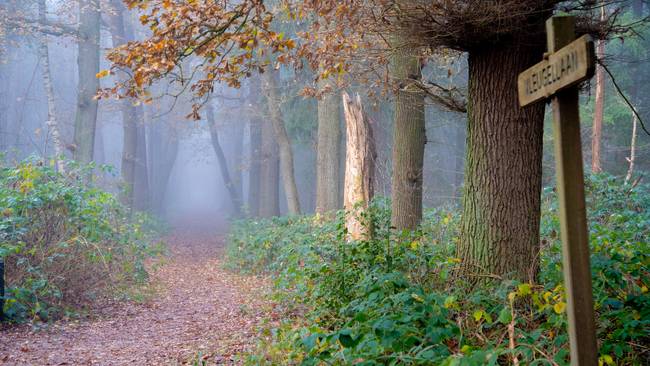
x: 201, y: 307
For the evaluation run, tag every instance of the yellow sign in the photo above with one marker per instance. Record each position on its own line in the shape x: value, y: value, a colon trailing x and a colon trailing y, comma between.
x: 562, y: 69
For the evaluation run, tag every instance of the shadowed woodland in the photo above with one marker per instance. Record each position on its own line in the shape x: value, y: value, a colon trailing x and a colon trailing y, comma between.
x: 318, y: 182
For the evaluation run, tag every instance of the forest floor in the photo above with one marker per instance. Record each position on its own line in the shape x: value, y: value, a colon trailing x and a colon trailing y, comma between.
x: 197, y: 311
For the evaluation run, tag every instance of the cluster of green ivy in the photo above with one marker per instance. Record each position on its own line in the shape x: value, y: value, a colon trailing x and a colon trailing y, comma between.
x: 394, y: 300
x: 65, y: 242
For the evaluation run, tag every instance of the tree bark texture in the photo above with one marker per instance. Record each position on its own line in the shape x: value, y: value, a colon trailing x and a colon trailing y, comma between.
x: 269, y: 188
x: 328, y: 153
x: 88, y: 67
x: 597, y: 125
x: 359, y: 169
x: 284, y: 143
x: 223, y: 164
x: 503, y: 173
x: 52, y: 122
x: 409, y: 138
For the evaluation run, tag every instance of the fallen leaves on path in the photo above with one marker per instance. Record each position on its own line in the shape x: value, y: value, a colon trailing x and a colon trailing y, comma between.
x: 201, y: 309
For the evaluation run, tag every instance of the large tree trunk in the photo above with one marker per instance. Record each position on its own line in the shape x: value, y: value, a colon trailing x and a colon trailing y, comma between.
x: 269, y: 173
x: 223, y: 164
x: 359, y: 169
x: 255, y: 154
x: 409, y: 137
x: 597, y: 125
x: 328, y: 153
x: 88, y: 67
x: 284, y: 143
x: 503, y: 174
x: 52, y: 122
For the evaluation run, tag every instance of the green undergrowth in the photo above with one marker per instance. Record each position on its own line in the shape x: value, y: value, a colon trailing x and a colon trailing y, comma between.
x: 67, y: 243
x: 395, y: 301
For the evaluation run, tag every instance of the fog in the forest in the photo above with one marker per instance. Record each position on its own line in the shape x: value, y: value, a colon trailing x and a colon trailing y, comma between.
x: 178, y: 174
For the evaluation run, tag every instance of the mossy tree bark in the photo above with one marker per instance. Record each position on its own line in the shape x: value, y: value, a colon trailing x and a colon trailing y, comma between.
x: 88, y: 67
x: 328, y: 154
x: 503, y: 173
x: 283, y: 141
x: 409, y: 138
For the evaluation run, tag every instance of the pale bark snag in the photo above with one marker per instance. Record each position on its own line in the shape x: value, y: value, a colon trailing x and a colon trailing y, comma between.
x: 409, y: 138
x: 284, y: 143
x: 328, y: 154
x: 503, y: 171
x: 359, y: 168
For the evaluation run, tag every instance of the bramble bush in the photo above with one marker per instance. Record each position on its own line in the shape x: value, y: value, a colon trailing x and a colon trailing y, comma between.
x: 394, y: 300
x: 65, y: 242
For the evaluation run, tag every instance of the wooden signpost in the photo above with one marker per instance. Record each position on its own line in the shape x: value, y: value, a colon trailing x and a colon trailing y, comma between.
x: 567, y: 63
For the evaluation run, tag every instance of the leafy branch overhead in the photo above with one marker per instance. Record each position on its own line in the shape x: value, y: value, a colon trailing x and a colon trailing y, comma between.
x: 350, y: 41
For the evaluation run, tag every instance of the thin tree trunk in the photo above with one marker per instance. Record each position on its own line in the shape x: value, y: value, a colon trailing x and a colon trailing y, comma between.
x: 597, y: 125
x: 52, y: 122
x: 284, y: 144
x: 269, y: 189
x: 236, y: 160
x: 328, y: 153
x: 503, y: 171
x: 255, y: 159
x: 141, y: 183
x: 632, y: 158
x: 359, y: 169
x: 409, y: 138
x: 223, y: 164
x: 88, y: 63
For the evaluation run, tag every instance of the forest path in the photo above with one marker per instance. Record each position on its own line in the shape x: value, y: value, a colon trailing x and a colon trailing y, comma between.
x: 200, y: 307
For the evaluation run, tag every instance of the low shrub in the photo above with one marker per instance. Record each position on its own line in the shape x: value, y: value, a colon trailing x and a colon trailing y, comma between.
x: 65, y: 242
x: 394, y: 300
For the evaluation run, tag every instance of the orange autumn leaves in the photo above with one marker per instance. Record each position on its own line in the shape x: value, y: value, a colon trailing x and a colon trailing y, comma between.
x: 229, y: 42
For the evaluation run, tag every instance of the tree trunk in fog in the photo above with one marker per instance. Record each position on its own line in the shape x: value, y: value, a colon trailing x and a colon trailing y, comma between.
x: 141, y: 183
x: 163, y: 142
x: 269, y: 204
x: 52, y: 122
x: 129, y: 114
x: 328, y: 153
x: 284, y: 143
x: 632, y: 158
x: 88, y: 64
x: 409, y: 138
x: 236, y: 160
x: 359, y: 169
x: 503, y: 173
x: 255, y: 153
x: 597, y: 125
x: 223, y: 164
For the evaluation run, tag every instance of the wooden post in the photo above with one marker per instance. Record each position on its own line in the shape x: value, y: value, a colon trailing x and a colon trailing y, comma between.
x: 571, y: 195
